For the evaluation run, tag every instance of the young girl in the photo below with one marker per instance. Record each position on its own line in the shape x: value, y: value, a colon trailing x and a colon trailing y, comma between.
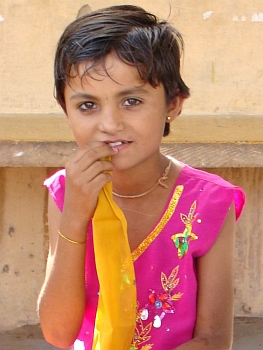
x: 141, y: 245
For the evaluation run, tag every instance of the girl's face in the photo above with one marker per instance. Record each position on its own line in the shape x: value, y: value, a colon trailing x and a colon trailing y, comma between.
x: 116, y: 106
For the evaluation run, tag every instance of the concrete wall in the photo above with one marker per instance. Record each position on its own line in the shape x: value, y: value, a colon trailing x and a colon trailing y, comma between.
x: 222, y: 66
x: 22, y: 244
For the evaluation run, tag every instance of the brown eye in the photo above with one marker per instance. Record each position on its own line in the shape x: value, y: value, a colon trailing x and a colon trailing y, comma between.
x: 131, y: 102
x: 87, y: 106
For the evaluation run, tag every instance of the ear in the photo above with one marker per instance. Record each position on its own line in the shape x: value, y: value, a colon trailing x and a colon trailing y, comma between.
x: 175, y: 107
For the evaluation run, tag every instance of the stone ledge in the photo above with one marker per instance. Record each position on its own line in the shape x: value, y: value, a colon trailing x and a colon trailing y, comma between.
x: 200, y: 155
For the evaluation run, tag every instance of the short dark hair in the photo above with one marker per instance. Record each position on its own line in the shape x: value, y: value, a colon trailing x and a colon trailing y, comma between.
x: 138, y: 38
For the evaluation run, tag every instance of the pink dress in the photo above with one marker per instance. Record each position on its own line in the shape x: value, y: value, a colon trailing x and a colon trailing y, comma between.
x: 164, y: 262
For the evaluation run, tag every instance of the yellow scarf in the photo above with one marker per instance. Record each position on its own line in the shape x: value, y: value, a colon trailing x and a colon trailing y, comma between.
x: 116, y: 313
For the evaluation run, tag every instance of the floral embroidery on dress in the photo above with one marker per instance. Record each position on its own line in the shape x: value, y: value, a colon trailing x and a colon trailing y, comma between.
x: 159, y: 305
x: 182, y: 239
x: 141, y: 334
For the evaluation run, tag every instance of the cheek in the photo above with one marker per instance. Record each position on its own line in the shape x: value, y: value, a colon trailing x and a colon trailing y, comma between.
x: 80, y: 133
x: 69, y: 123
x: 78, y: 138
x: 153, y: 131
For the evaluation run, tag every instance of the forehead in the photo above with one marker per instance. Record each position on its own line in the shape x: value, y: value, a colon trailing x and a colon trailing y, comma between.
x: 111, y: 67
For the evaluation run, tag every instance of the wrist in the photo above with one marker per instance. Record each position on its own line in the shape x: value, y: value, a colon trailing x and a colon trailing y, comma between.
x: 70, y: 240
x: 73, y: 229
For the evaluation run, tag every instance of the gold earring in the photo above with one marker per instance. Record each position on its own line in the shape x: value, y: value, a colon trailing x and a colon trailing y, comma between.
x: 168, y: 119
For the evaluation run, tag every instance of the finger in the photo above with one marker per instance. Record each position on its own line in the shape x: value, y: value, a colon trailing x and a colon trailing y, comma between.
x: 97, y: 168
x: 101, y: 180
x: 84, y: 172
x: 82, y: 150
x: 91, y: 153
x: 91, y: 188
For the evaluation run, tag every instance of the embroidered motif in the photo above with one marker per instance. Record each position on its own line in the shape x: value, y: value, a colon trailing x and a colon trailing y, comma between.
x: 162, y: 303
x: 159, y: 304
x: 141, y: 334
x: 182, y: 240
x: 157, y: 230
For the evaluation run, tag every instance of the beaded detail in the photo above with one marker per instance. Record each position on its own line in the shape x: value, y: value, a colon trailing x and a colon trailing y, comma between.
x: 182, y: 239
x: 159, y: 227
x: 159, y: 305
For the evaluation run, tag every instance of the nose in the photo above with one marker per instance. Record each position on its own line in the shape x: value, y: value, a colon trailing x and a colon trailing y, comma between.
x: 111, y: 121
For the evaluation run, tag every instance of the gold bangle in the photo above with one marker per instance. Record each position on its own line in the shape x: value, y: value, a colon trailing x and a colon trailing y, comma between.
x: 70, y: 240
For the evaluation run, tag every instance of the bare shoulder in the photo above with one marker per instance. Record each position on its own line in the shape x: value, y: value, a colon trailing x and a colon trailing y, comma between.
x: 175, y: 171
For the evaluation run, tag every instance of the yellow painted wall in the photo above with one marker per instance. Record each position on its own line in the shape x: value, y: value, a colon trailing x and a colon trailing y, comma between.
x: 222, y: 62
x: 222, y: 66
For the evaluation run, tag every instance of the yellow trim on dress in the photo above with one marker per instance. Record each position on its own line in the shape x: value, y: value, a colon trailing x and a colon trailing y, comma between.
x: 159, y: 227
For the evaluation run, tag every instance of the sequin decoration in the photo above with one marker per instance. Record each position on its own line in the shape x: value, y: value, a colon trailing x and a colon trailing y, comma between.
x: 159, y: 227
x: 182, y: 240
x: 141, y: 334
x: 160, y: 303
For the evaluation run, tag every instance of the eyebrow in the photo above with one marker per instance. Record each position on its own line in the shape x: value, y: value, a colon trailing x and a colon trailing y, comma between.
x: 135, y: 90
x: 80, y: 95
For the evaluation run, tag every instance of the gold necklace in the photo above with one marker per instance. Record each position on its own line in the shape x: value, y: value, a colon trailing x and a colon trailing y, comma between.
x: 159, y: 182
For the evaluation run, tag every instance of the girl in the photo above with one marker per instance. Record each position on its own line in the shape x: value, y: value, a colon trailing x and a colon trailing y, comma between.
x: 141, y: 246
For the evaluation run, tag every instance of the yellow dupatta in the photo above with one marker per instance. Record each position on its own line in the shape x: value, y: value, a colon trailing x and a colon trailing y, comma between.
x: 116, y: 313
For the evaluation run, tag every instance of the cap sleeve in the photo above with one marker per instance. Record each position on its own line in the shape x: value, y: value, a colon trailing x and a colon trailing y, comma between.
x: 213, y: 215
x: 239, y: 201
x: 56, y: 186
x: 213, y: 197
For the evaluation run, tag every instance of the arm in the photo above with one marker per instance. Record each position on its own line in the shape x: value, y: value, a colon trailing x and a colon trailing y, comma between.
x: 62, y: 299
x: 214, y: 322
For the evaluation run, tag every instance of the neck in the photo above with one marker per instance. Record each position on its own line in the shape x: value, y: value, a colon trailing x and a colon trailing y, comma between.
x: 141, y: 178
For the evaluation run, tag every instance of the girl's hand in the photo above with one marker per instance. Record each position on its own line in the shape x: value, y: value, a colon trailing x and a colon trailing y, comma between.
x: 86, y: 174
